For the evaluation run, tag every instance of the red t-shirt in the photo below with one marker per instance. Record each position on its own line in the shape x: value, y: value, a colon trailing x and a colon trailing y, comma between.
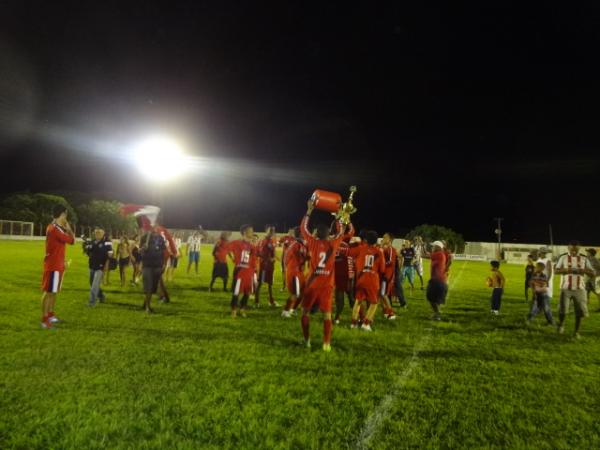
x: 438, y: 266
x: 56, y: 238
x: 285, y: 243
x: 266, y: 252
x: 244, y: 254
x: 295, y: 257
x: 390, y: 257
x: 322, y: 256
x: 220, y: 251
x: 370, y: 265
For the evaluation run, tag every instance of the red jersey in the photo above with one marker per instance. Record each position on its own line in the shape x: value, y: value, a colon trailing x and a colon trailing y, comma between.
x: 342, y: 261
x: 220, y: 251
x: 438, y: 266
x: 370, y: 265
x: 285, y: 243
x: 295, y: 257
x: 321, y: 253
x: 56, y: 238
x: 390, y: 256
x: 244, y: 254
x: 266, y: 251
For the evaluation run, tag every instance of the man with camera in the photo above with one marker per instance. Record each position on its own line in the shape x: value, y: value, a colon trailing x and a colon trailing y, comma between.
x: 99, y: 251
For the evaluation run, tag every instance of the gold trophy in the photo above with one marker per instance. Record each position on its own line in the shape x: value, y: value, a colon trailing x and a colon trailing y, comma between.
x: 347, y: 208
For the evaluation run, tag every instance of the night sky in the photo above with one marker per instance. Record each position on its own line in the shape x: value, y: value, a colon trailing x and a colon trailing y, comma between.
x: 451, y: 115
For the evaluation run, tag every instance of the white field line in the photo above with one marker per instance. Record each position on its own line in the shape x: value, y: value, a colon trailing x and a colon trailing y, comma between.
x: 374, y: 420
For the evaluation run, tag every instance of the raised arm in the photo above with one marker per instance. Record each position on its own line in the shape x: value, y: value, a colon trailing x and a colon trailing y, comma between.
x: 304, y: 223
x: 349, y: 232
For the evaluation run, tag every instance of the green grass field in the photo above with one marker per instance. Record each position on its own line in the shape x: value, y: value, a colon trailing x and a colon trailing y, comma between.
x: 191, y: 377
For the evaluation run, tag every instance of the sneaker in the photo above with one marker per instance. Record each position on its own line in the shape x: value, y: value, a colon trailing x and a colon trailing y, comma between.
x: 561, y: 330
x: 354, y: 326
x: 495, y: 312
x: 286, y: 314
x: 54, y: 319
x: 392, y: 317
x: 274, y: 304
x: 326, y: 347
x: 306, y: 343
x: 46, y: 325
x: 366, y: 327
x: 386, y: 316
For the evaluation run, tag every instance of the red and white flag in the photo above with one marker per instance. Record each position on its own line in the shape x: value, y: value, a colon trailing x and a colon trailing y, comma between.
x: 146, y: 214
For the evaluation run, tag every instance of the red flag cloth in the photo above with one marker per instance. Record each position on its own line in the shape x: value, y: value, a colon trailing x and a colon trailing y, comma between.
x: 146, y: 214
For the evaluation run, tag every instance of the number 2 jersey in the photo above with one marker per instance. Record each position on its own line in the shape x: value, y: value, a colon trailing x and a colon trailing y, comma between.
x: 322, y: 256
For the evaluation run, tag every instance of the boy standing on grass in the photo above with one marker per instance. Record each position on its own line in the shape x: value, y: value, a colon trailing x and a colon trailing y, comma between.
x: 58, y: 233
x: 496, y: 281
x: 539, y: 287
x: 437, y: 287
x: 245, y: 256
x: 573, y: 267
x: 220, y: 269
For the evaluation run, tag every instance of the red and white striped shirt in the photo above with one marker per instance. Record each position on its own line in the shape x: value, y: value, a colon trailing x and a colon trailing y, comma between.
x: 573, y: 281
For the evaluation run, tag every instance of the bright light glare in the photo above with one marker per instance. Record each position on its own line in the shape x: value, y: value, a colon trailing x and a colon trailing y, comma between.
x: 160, y: 158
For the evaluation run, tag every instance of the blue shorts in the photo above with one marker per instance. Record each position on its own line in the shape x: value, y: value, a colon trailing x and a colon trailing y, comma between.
x: 408, y: 272
x: 194, y: 257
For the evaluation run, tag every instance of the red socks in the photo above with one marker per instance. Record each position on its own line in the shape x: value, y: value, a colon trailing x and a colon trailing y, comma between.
x: 366, y: 321
x: 305, y: 321
x: 327, y: 331
x: 288, y: 304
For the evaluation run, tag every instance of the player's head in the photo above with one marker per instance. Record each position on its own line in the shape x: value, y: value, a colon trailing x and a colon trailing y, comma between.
x: 247, y: 231
x: 371, y: 237
x: 225, y: 235
x: 322, y: 231
x: 574, y: 246
x: 59, y: 212
x: 270, y: 230
x: 495, y: 264
x: 437, y: 246
x: 540, y: 267
x: 296, y: 232
x: 530, y: 258
x: 591, y: 252
x: 98, y: 233
x: 387, y: 238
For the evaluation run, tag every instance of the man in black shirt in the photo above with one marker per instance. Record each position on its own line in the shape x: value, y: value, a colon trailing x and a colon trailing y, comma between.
x: 99, y: 251
x: 407, y: 255
x: 153, y: 248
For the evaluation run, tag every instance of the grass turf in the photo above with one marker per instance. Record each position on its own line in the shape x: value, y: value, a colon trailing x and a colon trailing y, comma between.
x: 190, y: 376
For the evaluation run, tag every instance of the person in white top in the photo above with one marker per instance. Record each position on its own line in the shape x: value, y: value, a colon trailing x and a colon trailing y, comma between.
x: 193, y: 250
x: 419, y: 251
x: 549, y: 272
x: 573, y: 267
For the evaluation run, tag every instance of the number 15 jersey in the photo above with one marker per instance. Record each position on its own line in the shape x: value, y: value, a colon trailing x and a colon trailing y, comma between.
x: 244, y: 255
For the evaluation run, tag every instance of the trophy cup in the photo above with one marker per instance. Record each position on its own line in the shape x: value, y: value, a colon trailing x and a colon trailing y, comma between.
x: 347, y: 208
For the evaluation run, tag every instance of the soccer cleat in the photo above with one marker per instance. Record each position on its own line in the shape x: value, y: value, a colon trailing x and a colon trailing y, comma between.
x: 353, y: 326
x: 391, y: 317
x: 54, y: 319
x: 326, y: 347
x: 366, y: 327
x: 46, y: 325
x: 286, y: 314
x: 306, y: 343
x: 386, y: 316
x: 495, y: 312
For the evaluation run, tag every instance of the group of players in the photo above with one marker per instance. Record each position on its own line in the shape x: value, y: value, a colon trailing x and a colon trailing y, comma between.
x: 323, y: 264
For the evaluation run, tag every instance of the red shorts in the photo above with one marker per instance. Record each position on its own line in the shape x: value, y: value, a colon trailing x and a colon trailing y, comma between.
x: 52, y: 281
x: 243, y: 282
x: 295, y: 283
x: 321, y: 296
x: 368, y: 293
x: 387, y: 288
x: 266, y: 273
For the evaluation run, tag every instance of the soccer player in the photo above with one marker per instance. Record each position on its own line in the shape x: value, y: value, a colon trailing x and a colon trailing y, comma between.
x: 285, y: 243
x: 58, y: 234
x: 220, y: 269
x: 319, y: 284
x: 266, y: 253
x: 572, y: 267
x: 344, y: 284
x: 370, y: 266
x: 407, y: 255
x: 244, y: 255
x: 194, y: 244
x: 390, y: 256
x: 437, y: 287
x: 295, y: 260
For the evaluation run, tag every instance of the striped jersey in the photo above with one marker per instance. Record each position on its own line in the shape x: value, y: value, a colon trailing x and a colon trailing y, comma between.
x: 573, y: 281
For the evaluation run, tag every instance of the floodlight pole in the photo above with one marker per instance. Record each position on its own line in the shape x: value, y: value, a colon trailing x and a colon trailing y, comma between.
x: 499, y: 233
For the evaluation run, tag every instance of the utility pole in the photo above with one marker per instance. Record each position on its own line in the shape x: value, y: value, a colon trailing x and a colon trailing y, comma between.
x: 551, y: 237
x: 498, y: 232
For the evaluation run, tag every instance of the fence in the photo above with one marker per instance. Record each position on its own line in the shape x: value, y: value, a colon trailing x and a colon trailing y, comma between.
x: 16, y: 228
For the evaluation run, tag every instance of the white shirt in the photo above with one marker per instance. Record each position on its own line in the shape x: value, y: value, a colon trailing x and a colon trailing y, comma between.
x: 573, y: 281
x: 545, y: 262
x: 194, y: 243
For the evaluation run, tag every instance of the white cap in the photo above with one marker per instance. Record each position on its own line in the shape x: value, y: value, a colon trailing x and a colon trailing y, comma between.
x: 439, y: 244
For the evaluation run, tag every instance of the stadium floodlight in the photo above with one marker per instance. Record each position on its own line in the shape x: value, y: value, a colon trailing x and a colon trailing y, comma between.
x: 160, y: 158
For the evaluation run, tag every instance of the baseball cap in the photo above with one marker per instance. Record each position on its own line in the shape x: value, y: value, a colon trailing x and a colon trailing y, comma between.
x: 438, y: 244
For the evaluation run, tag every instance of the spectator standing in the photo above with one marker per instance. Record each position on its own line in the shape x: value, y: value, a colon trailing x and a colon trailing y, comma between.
x: 573, y: 267
x: 591, y: 281
x: 496, y: 281
x: 529, y: 270
x: 153, y: 248
x: 547, y: 261
x: 437, y: 287
x: 99, y: 251
x: 123, y: 255
x: 194, y: 244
